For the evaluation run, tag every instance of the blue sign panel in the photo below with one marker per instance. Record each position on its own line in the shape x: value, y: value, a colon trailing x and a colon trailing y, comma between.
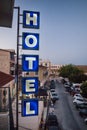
x: 30, y: 41
x: 30, y: 63
x: 31, y: 19
x: 29, y: 107
x: 29, y: 85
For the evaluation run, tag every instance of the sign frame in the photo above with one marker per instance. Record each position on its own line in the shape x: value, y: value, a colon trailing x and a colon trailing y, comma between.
x: 34, y: 106
x: 25, y: 64
x: 31, y: 24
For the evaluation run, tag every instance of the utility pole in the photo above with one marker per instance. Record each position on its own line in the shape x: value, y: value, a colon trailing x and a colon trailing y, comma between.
x: 17, y: 67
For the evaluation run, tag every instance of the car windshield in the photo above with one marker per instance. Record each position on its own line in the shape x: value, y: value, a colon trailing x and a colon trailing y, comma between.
x: 54, y: 94
x: 52, y: 90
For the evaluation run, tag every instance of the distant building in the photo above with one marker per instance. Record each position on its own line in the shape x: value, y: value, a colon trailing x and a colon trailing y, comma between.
x: 51, y: 68
x: 47, y: 64
x: 54, y: 69
x: 7, y: 61
x: 43, y: 74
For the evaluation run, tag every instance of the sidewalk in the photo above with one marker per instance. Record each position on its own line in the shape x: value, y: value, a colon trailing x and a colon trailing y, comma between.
x: 4, y: 121
x: 42, y: 123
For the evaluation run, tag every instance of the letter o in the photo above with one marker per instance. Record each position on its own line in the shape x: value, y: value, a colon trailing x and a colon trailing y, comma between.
x: 34, y: 41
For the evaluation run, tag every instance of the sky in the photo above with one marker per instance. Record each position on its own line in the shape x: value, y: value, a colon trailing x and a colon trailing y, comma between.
x: 63, y: 30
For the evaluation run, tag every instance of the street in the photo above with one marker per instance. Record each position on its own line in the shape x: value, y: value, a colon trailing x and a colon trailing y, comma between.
x: 66, y: 112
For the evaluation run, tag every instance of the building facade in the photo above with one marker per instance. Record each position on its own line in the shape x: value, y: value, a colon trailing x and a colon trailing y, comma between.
x: 47, y: 64
x: 55, y: 69
x: 7, y: 61
x: 7, y: 90
x: 51, y: 68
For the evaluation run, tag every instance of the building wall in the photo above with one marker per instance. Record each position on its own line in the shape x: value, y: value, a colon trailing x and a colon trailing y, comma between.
x: 5, y: 61
x: 54, y: 69
x: 41, y: 73
x: 47, y: 64
x: 4, y: 94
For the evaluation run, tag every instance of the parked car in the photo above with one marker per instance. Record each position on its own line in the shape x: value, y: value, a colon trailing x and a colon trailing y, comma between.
x: 68, y: 89
x: 52, y: 86
x: 51, y: 121
x: 81, y: 106
x: 83, y: 112
x: 85, y: 120
x: 78, y: 101
x: 66, y: 85
x: 52, y: 82
x: 77, y: 95
x: 76, y: 86
x: 54, y: 96
x: 52, y: 90
x: 73, y: 91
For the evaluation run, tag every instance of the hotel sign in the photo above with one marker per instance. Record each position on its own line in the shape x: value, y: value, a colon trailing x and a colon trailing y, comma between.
x: 30, y: 63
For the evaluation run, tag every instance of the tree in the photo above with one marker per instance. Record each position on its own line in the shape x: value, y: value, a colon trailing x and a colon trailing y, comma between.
x: 84, y: 88
x: 72, y: 73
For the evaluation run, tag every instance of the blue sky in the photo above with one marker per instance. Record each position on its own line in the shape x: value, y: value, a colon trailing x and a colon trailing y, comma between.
x: 63, y: 30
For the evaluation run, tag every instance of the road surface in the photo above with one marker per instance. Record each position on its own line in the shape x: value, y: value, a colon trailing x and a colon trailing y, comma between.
x: 66, y: 112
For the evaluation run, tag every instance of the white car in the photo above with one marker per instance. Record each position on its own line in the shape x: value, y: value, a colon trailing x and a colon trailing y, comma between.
x: 54, y: 96
x: 77, y: 96
x: 67, y: 84
x: 78, y: 100
x: 76, y: 86
x: 52, y: 90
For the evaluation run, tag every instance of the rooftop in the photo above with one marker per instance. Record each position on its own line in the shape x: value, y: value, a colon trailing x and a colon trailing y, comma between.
x: 5, y: 78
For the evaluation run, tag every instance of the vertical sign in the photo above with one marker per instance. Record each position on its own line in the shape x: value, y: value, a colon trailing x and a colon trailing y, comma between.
x: 30, y: 63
